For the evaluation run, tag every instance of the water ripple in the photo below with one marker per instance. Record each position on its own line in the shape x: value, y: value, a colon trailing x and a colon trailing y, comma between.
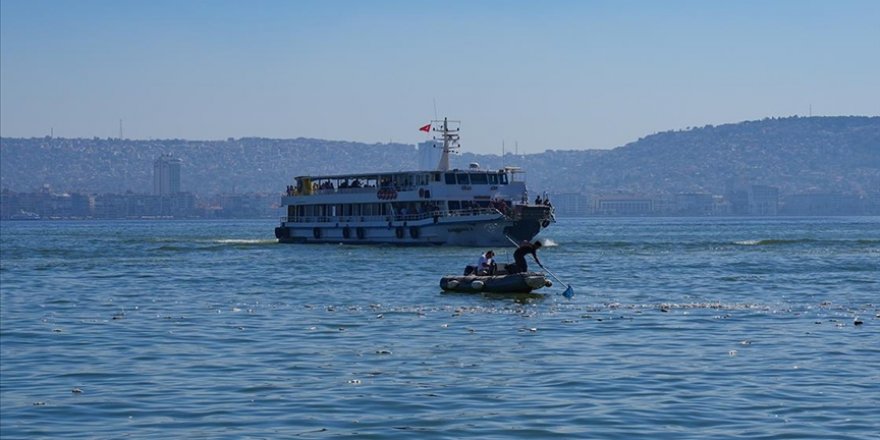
x: 149, y: 330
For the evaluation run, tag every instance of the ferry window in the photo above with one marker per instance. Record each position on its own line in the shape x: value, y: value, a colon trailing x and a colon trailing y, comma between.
x: 493, y: 179
x: 436, y: 177
x: 462, y: 179
x: 503, y: 178
x: 450, y: 179
x: 479, y: 179
x: 454, y: 205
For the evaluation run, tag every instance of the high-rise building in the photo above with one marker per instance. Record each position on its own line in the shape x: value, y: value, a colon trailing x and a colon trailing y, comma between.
x: 763, y: 200
x: 166, y: 175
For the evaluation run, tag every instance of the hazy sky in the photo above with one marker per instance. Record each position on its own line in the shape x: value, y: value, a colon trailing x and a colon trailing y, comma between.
x: 544, y: 75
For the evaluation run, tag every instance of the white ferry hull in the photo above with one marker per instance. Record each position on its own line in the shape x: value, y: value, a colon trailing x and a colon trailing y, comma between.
x: 482, y: 231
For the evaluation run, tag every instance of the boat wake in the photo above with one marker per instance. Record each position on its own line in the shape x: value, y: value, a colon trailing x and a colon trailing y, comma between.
x: 242, y: 241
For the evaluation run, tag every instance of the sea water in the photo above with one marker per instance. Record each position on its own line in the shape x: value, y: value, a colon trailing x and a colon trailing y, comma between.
x: 679, y: 328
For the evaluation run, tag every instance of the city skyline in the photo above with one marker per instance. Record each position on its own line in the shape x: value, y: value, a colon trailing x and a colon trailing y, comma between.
x: 559, y: 75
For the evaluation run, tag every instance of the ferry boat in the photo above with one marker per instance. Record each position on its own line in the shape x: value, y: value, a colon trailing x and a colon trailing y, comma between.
x: 465, y: 207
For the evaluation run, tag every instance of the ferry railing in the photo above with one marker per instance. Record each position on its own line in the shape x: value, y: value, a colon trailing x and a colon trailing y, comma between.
x: 474, y: 211
x: 387, y: 218
x: 352, y: 190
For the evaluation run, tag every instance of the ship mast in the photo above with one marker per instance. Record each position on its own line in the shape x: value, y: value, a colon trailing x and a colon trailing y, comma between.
x: 450, y: 142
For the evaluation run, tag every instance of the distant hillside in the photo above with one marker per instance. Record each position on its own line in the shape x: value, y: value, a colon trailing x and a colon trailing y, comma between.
x: 209, y: 167
x: 817, y: 154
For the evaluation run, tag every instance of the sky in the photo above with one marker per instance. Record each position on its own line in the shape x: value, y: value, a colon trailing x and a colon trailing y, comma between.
x: 522, y: 75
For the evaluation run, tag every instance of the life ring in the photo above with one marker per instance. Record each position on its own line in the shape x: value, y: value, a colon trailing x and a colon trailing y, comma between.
x: 360, y: 233
x: 346, y: 232
x: 386, y: 194
x: 316, y: 232
x: 399, y: 232
x: 414, y: 232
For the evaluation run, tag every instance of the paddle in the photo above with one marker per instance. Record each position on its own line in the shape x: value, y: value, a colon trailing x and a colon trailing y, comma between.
x: 568, y: 293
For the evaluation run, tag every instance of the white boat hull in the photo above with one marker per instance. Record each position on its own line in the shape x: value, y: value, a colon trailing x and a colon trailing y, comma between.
x: 456, y: 231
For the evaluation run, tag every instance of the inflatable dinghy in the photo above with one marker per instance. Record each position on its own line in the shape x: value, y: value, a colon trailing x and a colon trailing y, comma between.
x: 513, y: 283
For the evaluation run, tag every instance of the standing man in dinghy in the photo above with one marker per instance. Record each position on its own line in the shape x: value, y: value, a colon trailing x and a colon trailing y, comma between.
x: 519, y: 256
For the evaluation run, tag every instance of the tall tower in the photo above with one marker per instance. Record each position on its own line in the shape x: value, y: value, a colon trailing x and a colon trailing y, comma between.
x: 166, y: 175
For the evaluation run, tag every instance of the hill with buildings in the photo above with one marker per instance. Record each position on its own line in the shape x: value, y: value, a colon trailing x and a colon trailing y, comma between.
x: 794, y: 156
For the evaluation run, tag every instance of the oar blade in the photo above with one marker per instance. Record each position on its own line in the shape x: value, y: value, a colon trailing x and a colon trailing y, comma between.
x: 569, y: 292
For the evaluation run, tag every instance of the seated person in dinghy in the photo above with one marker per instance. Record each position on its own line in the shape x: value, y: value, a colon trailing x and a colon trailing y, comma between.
x: 485, y: 266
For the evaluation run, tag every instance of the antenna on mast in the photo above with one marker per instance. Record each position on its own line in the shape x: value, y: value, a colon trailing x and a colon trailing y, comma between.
x: 450, y: 141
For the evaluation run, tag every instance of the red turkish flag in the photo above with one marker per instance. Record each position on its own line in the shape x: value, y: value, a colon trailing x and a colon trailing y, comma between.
x: 425, y: 128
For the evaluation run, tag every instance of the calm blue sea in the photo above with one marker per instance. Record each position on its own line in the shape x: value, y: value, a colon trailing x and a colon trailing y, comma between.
x: 680, y: 328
